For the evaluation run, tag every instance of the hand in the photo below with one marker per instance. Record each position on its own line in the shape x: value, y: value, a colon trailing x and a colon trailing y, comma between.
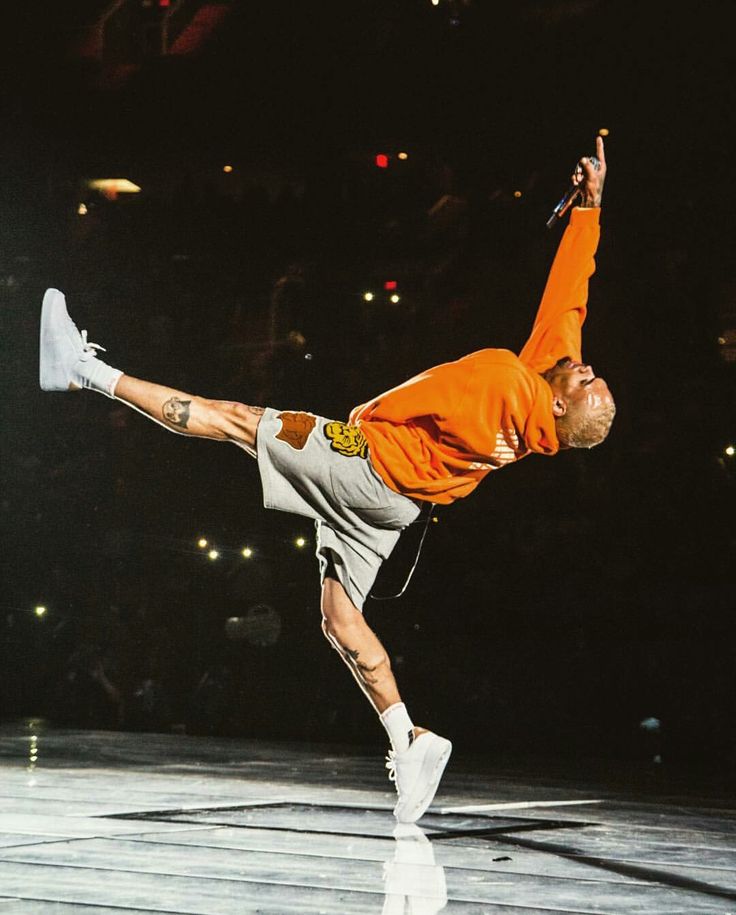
x: 589, y: 179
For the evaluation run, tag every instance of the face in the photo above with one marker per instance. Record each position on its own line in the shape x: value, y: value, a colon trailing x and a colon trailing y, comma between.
x: 576, y: 383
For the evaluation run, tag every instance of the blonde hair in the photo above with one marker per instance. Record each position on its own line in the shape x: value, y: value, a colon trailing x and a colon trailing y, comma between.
x: 585, y: 427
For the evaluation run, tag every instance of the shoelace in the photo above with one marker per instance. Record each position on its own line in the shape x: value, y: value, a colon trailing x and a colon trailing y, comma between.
x: 391, y: 766
x: 90, y: 347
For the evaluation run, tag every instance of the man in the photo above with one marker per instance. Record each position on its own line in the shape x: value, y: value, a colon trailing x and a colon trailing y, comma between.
x: 432, y: 439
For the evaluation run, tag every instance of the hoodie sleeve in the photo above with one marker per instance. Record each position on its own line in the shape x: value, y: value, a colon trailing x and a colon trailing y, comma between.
x: 556, y: 331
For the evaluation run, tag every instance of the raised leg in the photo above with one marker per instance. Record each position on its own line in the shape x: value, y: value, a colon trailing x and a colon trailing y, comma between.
x: 188, y: 414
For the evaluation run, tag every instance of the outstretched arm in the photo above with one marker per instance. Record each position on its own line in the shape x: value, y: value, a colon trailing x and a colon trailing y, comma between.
x: 561, y: 313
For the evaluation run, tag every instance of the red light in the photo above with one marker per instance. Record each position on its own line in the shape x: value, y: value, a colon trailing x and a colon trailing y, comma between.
x: 390, y: 284
x: 382, y: 160
x: 163, y: 3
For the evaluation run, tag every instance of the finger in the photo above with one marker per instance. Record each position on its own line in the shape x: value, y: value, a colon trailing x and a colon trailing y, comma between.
x: 587, y: 167
x: 600, y: 151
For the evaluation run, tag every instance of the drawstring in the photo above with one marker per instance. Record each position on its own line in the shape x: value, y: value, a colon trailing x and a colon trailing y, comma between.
x: 414, y: 566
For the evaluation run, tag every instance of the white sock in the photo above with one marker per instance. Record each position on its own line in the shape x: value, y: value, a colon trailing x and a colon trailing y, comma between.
x: 98, y: 376
x: 399, y: 726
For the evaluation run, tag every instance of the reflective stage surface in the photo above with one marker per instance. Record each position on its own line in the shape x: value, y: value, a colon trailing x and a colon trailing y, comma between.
x: 101, y: 822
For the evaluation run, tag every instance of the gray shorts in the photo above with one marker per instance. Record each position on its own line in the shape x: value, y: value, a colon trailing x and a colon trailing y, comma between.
x: 321, y: 469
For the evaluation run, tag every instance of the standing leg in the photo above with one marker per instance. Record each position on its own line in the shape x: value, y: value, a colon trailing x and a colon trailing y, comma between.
x: 419, y: 757
x: 345, y: 627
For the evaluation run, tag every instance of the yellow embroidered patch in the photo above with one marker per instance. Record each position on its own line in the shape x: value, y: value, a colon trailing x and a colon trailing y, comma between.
x: 347, y: 440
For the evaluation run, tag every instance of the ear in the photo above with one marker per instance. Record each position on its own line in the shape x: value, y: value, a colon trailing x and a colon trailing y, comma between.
x: 559, y: 407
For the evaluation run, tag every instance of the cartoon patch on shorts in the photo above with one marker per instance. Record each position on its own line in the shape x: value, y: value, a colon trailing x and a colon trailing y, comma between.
x: 296, y: 429
x: 347, y: 440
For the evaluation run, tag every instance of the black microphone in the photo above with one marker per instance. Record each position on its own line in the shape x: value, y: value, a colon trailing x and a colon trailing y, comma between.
x: 570, y: 195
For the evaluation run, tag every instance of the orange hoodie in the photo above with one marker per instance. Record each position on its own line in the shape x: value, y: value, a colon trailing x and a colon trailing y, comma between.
x: 437, y: 435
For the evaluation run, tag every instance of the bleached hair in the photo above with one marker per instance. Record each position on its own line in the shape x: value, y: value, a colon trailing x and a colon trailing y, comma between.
x: 583, y: 427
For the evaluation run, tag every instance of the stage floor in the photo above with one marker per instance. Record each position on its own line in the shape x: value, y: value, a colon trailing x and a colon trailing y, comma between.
x: 102, y: 822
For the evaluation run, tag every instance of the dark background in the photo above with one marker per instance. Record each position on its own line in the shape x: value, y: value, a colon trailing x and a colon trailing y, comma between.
x: 567, y: 600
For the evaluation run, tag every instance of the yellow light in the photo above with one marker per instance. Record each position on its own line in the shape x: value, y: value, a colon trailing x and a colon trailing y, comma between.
x: 403, y: 155
x: 39, y: 611
x: 112, y: 186
x: 300, y: 542
x: 730, y: 450
x: 517, y: 194
x: 435, y: 2
x: 247, y: 552
x: 395, y: 298
x: 82, y: 209
x: 603, y: 132
x: 367, y: 296
x: 202, y: 543
x: 213, y: 554
x: 227, y: 169
x: 721, y: 341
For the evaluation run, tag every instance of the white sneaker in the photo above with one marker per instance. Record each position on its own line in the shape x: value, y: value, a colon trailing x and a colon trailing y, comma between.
x: 417, y: 773
x: 67, y: 361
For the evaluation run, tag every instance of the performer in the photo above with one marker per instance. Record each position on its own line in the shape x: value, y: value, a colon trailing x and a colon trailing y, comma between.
x: 431, y: 439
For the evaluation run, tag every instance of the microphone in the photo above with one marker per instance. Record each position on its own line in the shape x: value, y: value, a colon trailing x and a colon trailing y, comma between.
x: 570, y: 195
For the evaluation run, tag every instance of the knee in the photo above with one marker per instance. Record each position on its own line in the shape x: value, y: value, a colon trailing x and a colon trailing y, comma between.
x: 368, y: 658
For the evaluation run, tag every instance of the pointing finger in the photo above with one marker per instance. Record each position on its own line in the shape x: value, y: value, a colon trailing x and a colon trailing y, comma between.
x: 600, y: 150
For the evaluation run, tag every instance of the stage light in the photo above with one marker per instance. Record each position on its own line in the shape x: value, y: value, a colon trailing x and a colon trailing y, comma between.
x: 111, y: 187
x: 227, y: 169
x: 390, y: 284
x: 40, y: 611
x: 730, y: 450
x: 300, y: 542
x: 403, y: 156
x: 395, y: 299
x: 603, y: 132
x: 82, y: 209
x: 213, y: 554
x: 435, y: 2
x: 202, y: 543
x: 382, y: 160
x: 367, y: 296
x: 517, y: 194
x: 247, y: 552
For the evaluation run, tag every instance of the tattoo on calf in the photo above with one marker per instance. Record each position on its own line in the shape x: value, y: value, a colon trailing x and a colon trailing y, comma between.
x: 176, y: 411
x: 366, y: 673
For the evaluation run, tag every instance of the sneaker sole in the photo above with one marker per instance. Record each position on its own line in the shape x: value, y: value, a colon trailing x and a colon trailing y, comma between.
x: 49, y: 376
x: 433, y: 767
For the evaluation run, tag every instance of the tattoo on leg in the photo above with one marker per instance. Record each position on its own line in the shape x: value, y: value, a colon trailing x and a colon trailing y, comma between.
x: 364, y: 671
x: 176, y: 411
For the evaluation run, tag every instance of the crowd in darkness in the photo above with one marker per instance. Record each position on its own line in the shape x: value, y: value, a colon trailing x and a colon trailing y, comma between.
x: 561, y: 605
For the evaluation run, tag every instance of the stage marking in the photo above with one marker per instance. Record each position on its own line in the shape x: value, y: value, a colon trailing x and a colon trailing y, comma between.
x: 517, y: 805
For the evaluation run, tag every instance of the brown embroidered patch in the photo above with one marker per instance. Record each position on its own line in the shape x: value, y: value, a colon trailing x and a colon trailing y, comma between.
x: 296, y: 429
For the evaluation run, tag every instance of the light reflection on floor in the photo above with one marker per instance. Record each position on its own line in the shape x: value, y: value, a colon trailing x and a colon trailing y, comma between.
x: 99, y: 822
